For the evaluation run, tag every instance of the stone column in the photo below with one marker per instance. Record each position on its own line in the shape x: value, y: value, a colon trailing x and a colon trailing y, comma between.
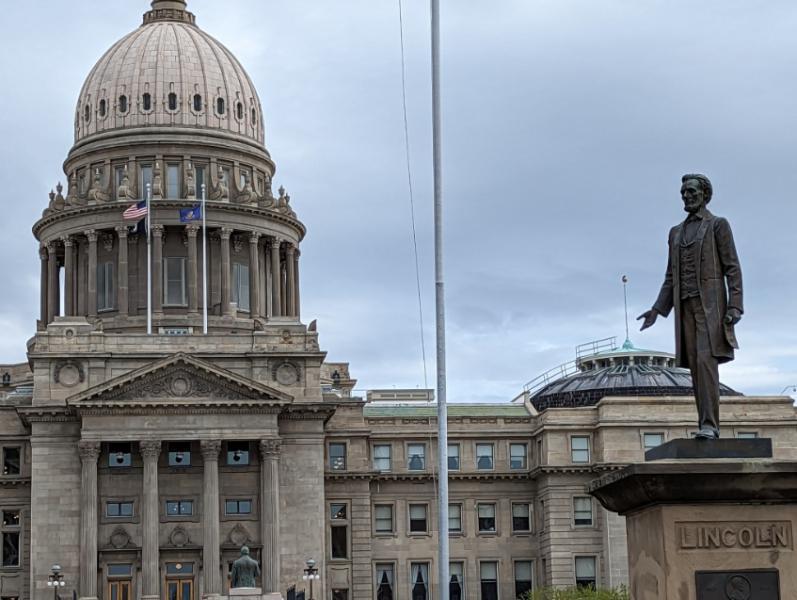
x: 191, y: 231
x: 89, y: 452
x: 52, y: 281
x: 150, y: 517
x: 297, y: 311
x: 290, y: 280
x: 69, y: 276
x: 134, y: 264
x: 123, y: 280
x: 211, y: 564
x: 225, y: 270
x: 254, y: 275
x: 43, y: 313
x: 284, y: 286
x: 270, y: 513
x: 157, y: 269
x: 91, y: 292
x: 276, y: 278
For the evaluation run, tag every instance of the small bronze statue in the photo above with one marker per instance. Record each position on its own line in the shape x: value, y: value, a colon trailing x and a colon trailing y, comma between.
x: 702, y: 263
x: 244, y: 570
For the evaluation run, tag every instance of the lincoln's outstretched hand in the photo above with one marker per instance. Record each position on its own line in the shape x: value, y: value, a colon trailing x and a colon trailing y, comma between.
x: 650, y: 318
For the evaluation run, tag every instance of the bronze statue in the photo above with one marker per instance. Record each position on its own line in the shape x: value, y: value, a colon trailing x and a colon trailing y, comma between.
x: 244, y: 570
x: 702, y: 264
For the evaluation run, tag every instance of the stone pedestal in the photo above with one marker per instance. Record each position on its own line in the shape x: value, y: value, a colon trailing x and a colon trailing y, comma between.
x: 705, y: 529
x: 252, y: 594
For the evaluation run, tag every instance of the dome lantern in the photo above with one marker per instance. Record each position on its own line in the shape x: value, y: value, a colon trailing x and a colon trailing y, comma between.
x: 169, y: 10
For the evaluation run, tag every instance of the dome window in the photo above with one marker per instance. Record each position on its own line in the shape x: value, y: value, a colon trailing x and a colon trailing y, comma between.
x: 122, y: 104
x: 240, y: 110
x: 172, y: 101
x: 197, y: 103
x: 87, y: 115
x: 102, y: 108
x: 254, y: 117
x: 220, y: 106
x: 146, y: 102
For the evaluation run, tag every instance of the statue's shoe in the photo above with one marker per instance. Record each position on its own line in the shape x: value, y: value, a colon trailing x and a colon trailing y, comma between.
x: 707, y: 434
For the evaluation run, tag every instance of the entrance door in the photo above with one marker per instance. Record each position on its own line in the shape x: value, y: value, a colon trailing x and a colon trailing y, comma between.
x: 179, y: 589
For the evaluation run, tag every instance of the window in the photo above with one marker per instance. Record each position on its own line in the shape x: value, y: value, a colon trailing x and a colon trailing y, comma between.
x: 456, y: 590
x: 747, y: 435
x: 238, y: 507
x: 172, y: 181
x: 383, y: 518
x: 197, y: 103
x: 521, y: 519
x: 179, y: 569
x: 488, y: 575
x: 119, y: 174
x: 172, y: 101
x: 455, y: 518
x: 484, y: 457
x: 579, y: 449
x: 418, y: 518
x: 416, y: 457
x: 585, y: 571
x: 179, y: 454
x: 120, y: 570
x: 453, y: 457
x: 239, y: 109
x: 340, y: 594
x: 338, y: 512
x: 582, y: 510
x: 174, y: 287
x: 420, y: 581
x: 145, y: 181
x: 118, y: 509
x: 146, y: 102
x: 486, y: 517
x: 11, y: 461
x: 237, y: 454
x: 103, y: 108
x: 179, y: 508
x: 120, y: 582
x: 337, y: 456
x: 240, y: 285
x: 87, y: 113
x: 199, y: 178
x: 119, y: 455
x: 220, y: 106
x: 651, y: 440
x: 105, y: 286
x: 382, y: 457
x: 517, y: 456
x: 123, y: 104
x: 254, y: 117
x: 339, y: 534
x: 523, y: 572
x: 384, y: 581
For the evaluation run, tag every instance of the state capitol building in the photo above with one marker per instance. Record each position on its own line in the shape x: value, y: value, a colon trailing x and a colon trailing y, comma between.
x: 142, y: 463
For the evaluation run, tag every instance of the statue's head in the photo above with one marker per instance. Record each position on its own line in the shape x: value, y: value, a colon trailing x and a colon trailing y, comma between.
x: 244, y: 550
x: 696, y: 192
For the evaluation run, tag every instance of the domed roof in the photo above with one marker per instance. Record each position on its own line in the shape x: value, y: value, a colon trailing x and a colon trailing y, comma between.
x: 168, y: 72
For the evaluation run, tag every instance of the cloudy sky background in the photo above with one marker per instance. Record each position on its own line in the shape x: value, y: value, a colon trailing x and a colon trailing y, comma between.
x: 567, y: 126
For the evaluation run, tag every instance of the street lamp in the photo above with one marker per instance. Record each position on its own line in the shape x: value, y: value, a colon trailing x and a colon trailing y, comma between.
x: 311, y: 574
x: 55, y: 580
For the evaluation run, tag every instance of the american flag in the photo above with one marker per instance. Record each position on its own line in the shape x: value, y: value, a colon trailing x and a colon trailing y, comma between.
x: 136, y: 211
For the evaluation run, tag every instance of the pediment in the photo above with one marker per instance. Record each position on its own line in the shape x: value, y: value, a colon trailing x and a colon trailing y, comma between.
x: 180, y: 379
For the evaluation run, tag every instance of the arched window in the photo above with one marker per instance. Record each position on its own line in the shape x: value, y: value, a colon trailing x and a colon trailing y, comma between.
x: 123, y: 104
x: 87, y: 114
x: 172, y: 101
x: 220, y: 106
x: 197, y: 103
x: 240, y: 110
x: 146, y: 102
x: 102, y: 107
x: 254, y: 117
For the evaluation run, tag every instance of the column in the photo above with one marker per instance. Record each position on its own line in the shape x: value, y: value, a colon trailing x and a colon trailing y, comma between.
x: 297, y: 311
x: 52, y: 282
x: 276, y: 277
x: 150, y: 517
x: 91, y: 292
x: 89, y: 452
x: 211, y: 566
x: 270, y: 513
x: 191, y: 231
x: 69, y: 276
x: 157, y: 269
x: 134, y: 265
x: 254, y: 275
x: 225, y: 270
x: 43, y: 285
x: 284, y: 286
x: 290, y: 282
x: 123, y: 280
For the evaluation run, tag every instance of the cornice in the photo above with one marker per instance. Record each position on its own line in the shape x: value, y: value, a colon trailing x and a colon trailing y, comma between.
x: 45, y: 414
x: 6, y: 481
x: 307, y: 411
x: 136, y: 408
x: 426, y: 476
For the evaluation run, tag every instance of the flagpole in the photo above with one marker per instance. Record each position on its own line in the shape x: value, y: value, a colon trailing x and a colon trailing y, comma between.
x: 149, y: 260
x: 204, y: 267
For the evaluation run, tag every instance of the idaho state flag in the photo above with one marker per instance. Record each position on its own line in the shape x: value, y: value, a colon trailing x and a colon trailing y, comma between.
x: 191, y: 214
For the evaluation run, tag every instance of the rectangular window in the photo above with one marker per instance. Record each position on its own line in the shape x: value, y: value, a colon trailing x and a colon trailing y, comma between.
x: 240, y: 285
x: 384, y: 581
x: 119, y: 173
x: 238, y: 507
x: 144, y: 180
x: 418, y: 518
x: 340, y: 594
x: 455, y: 518
x: 651, y: 440
x: 119, y: 590
x: 337, y: 456
x: 579, y: 449
x: 11, y: 519
x: 456, y: 583
x: 199, y: 179
x: 10, y: 533
x: 105, y: 286
x: 419, y: 582
x: 383, y: 518
x: 453, y: 457
x: 172, y: 181
x: 523, y: 571
x: 237, y: 454
x: 118, y: 509
x: 174, y: 286
x: 120, y: 570
x: 585, y: 571
x: 382, y: 457
x: 746, y: 435
x: 179, y: 454
x: 486, y: 517
x: 179, y: 508
x: 488, y: 576
x: 338, y: 512
x: 339, y: 540
x: 521, y: 520
x: 484, y: 457
x: 120, y: 455
x: 416, y: 457
x: 180, y: 568
x: 11, y: 460
x: 517, y: 456
x: 582, y: 510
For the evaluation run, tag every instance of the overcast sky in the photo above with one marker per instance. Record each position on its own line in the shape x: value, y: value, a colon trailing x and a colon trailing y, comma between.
x: 567, y: 127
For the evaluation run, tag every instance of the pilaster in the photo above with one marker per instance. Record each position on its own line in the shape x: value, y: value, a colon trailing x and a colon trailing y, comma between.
x: 91, y: 235
x: 191, y: 231
x: 89, y: 452
x: 122, y: 284
x: 150, y: 517
x: 254, y: 274
x: 210, y: 519
x: 270, y: 517
x: 225, y: 234
x: 157, y: 269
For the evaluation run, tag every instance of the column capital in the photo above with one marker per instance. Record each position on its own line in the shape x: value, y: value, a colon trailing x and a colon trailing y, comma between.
x: 192, y: 230
x: 43, y: 253
x: 68, y: 241
x: 210, y: 449
x: 122, y: 232
x: 254, y: 237
x: 92, y: 235
x: 270, y: 448
x: 150, y: 448
x: 52, y: 247
x: 157, y: 230
x: 290, y: 249
x: 88, y: 450
x: 275, y: 243
x: 225, y: 233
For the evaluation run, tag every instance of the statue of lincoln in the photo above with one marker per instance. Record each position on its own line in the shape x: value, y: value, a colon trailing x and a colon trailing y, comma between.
x: 704, y: 284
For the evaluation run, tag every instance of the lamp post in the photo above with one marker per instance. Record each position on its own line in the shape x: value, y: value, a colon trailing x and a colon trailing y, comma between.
x: 55, y: 580
x: 311, y: 574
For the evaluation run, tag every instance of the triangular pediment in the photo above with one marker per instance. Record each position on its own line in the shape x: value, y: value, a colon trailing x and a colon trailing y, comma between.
x: 180, y: 379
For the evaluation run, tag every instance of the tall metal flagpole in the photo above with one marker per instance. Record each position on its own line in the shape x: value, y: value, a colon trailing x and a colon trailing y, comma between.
x: 625, y: 304
x: 204, y: 267
x: 149, y: 259
x: 442, y: 410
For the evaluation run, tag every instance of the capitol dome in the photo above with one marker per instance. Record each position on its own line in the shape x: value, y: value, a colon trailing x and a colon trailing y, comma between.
x: 168, y: 72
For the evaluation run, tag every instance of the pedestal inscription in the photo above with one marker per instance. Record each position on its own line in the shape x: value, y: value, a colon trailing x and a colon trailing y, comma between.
x: 738, y: 585
x: 734, y: 535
